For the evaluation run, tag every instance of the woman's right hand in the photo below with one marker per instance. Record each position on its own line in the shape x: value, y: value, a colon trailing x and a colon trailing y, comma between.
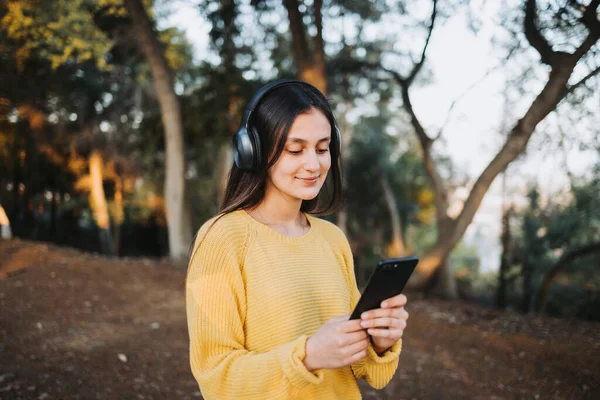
x: 338, y: 343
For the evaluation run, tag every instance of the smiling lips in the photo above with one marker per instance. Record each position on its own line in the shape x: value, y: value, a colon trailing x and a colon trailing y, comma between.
x: 314, y: 179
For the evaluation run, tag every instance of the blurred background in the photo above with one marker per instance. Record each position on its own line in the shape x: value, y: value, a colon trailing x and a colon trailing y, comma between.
x: 470, y: 139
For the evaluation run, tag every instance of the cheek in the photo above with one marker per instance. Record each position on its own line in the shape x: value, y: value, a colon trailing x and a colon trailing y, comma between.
x: 326, y: 163
x: 284, y: 168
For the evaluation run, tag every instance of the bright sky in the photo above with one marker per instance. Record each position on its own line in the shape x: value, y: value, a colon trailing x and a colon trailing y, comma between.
x: 458, y: 59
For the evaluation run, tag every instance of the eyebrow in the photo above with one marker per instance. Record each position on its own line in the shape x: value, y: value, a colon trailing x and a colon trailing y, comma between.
x: 302, y: 141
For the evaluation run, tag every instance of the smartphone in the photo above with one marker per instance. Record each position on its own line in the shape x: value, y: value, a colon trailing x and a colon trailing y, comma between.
x: 387, y: 280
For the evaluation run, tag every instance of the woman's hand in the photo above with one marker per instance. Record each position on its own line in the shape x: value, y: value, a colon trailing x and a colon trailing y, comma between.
x: 386, y: 324
x: 338, y: 343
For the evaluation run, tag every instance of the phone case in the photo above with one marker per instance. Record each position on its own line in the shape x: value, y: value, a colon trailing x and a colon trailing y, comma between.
x: 388, y: 280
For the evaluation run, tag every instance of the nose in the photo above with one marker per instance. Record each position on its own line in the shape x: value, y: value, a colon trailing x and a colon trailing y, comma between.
x: 311, y: 163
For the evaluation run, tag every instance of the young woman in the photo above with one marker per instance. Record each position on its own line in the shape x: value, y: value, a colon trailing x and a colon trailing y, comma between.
x: 270, y: 287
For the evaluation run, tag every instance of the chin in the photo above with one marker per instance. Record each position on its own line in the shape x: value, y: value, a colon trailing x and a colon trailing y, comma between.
x: 304, y: 194
x: 309, y: 195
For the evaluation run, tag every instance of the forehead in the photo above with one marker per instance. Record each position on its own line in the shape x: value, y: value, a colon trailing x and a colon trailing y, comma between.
x: 310, y: 126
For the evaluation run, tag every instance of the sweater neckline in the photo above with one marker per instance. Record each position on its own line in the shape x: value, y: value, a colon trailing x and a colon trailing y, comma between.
x: 272, y: 233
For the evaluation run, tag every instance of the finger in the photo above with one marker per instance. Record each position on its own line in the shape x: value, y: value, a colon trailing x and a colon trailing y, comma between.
x: 357, y: 347
x: 386, y: 333
x: 396, y: 301
x: 377, y: 313
x: 402, y: 314
x: 385, y: 322
x: 350, y: 326
x: 356, y: 357
x: 354, y: 337
x: 399, y: 313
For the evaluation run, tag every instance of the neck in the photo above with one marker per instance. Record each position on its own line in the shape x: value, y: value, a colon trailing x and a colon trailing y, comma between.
x: 277, y: 208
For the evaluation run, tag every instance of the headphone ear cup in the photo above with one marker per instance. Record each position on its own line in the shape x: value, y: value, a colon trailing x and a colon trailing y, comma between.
x: 257, y: 151
x: 243, y: 153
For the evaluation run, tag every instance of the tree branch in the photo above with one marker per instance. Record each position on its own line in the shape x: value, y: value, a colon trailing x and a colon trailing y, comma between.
x: 463, y: 94
x: 583, y: 80
x: 590, y: 20
x: 563, y: 261
x: 514, y: 145
x: 534, y: 36
x: 417, y: 67
x: 404, y: 84
x: 440, y: 192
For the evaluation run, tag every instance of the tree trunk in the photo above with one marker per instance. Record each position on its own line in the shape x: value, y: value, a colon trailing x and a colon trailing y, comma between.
x: 396, y: 247
x: 178, y: 215
x: 98, y: 203
x: 527, y: 274
x: 346, y: 133
x: 505, y: 260
x: 223, y: 166
x: 119, y: 213
x: 228, y: 52
x: 562, y: 262
x: 17, y: 178
x: 5, y: 232
x: 444, y: 285
x: 53, y: 212
x: 310, y: 65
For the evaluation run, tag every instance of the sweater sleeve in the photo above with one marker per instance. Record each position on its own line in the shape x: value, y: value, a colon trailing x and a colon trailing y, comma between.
x: 216, y: 306
x: 376, y: 369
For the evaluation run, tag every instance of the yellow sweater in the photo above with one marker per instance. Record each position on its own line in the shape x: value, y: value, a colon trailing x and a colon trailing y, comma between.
x: 254, y: 296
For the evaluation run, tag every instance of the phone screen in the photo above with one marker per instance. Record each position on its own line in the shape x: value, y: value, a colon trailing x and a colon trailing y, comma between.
x: 388, y: 280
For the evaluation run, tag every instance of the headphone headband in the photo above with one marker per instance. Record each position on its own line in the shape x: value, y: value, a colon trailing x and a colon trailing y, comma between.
x: 263, y: 91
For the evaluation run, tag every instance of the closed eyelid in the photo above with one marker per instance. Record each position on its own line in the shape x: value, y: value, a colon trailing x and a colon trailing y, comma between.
x: 295, y: 150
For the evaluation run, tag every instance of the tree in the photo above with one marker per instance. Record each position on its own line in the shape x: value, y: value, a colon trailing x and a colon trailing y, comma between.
x: 557, y: 237
x: 178, y: 216
x: 77, y: 62
x: 505, y: 239
x: 226, y: 77
x: 561, y: 65
x: 558, y: 266
x: 309, y: 56
x: 573, y: 232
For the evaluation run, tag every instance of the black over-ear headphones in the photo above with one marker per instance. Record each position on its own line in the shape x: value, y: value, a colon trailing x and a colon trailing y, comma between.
x: 246, y: 141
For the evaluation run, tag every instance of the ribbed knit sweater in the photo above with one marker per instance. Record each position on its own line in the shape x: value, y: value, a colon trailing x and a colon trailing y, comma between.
x: 254, y: 297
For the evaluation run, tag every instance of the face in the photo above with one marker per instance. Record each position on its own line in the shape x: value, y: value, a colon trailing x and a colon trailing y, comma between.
x: 302, y: 167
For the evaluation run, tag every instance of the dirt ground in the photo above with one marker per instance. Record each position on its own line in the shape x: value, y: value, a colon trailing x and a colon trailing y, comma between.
x: 80, y: 326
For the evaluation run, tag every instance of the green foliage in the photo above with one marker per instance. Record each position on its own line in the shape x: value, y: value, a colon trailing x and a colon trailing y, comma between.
x: 60, y: 31
x: 373, y: 152
x: 548, y: 231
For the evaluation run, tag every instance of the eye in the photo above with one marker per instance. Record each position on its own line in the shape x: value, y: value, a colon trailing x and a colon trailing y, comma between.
x: 294, y: 152
x: 323, y: 151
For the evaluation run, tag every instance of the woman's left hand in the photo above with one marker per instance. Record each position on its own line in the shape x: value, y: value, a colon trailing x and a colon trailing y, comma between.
x: 386, y: 324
